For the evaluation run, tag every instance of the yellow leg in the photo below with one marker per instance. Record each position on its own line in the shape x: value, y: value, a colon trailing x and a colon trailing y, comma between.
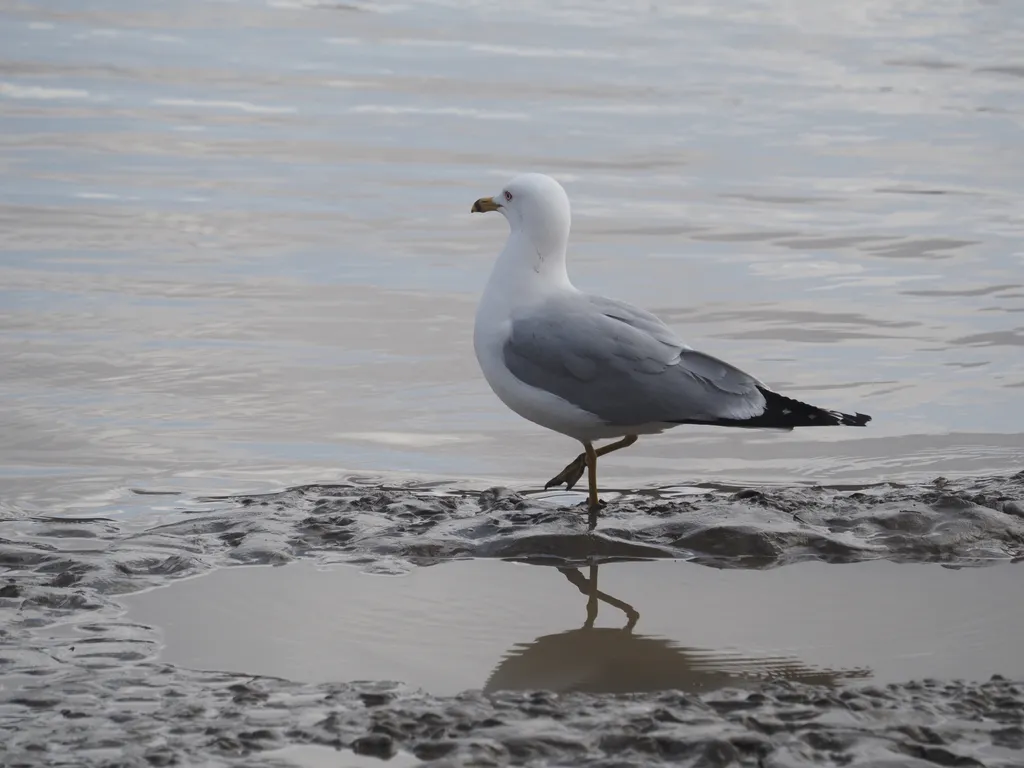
x: 625, y: 442
x: 574, y: 470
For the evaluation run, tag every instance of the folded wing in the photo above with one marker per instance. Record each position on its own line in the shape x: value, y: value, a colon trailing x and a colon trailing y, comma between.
x: 625, y: 366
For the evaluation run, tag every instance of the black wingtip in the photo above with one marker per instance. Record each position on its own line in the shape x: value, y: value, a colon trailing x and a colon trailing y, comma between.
x: 856, y: 420
x: 782, y: 412
x: 786, y: 411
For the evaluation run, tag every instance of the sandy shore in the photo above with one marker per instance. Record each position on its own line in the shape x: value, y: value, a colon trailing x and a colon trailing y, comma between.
x: 87, y: 682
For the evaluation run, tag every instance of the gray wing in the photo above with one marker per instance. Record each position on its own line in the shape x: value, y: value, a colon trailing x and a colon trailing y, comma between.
x: 624, y: 365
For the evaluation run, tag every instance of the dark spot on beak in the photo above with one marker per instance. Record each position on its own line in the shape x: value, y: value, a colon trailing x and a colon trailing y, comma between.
x: 485, y: 204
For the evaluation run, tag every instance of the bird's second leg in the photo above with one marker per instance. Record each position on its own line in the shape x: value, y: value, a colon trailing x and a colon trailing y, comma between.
x: 574, y: 469
x: 570, y: 475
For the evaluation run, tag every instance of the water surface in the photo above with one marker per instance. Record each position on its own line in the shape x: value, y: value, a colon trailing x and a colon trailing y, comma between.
x: 237, y: 248
x: 653, y: 626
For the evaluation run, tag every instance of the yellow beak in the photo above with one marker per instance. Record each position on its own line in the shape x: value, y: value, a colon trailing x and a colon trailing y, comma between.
x: 484, y: 204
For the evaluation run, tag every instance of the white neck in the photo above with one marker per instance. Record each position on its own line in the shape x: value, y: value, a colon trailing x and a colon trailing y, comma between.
x: 523, y: 276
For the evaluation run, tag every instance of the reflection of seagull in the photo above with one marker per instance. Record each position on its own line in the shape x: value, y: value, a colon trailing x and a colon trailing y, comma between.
x: 600, y: 660
x: 595, y: 368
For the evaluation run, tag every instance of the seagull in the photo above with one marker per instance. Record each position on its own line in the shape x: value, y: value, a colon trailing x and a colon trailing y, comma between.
x: 595, y: 368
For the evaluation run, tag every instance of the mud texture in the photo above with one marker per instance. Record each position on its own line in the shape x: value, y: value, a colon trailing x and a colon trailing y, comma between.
x: 951, y: 522
x: 157, y: 716
x: 98, y: 696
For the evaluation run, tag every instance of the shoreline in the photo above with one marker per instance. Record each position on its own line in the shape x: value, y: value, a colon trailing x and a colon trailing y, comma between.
x: 82, y: 675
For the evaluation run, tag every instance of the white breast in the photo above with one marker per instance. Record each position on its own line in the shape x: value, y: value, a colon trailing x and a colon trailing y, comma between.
x: 536, y: 405
x: 522, y: 278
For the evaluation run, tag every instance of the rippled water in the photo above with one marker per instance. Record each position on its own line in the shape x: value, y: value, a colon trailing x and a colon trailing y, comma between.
x: 237, y: 247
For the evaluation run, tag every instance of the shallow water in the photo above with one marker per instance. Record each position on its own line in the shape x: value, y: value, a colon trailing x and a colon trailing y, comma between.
x: 237, y: 249
x: 497, y: 626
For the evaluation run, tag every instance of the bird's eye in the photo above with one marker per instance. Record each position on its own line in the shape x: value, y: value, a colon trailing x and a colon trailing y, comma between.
x: 508, y: 196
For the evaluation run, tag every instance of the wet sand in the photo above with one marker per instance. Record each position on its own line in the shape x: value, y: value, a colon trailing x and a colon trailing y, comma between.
x: 776, y: 627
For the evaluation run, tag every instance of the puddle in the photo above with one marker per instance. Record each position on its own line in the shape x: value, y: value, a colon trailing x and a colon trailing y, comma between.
x: 495, y: 625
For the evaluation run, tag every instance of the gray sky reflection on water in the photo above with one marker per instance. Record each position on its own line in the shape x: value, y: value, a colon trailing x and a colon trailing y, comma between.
x: 498, y: 625
x: 238, y: 252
